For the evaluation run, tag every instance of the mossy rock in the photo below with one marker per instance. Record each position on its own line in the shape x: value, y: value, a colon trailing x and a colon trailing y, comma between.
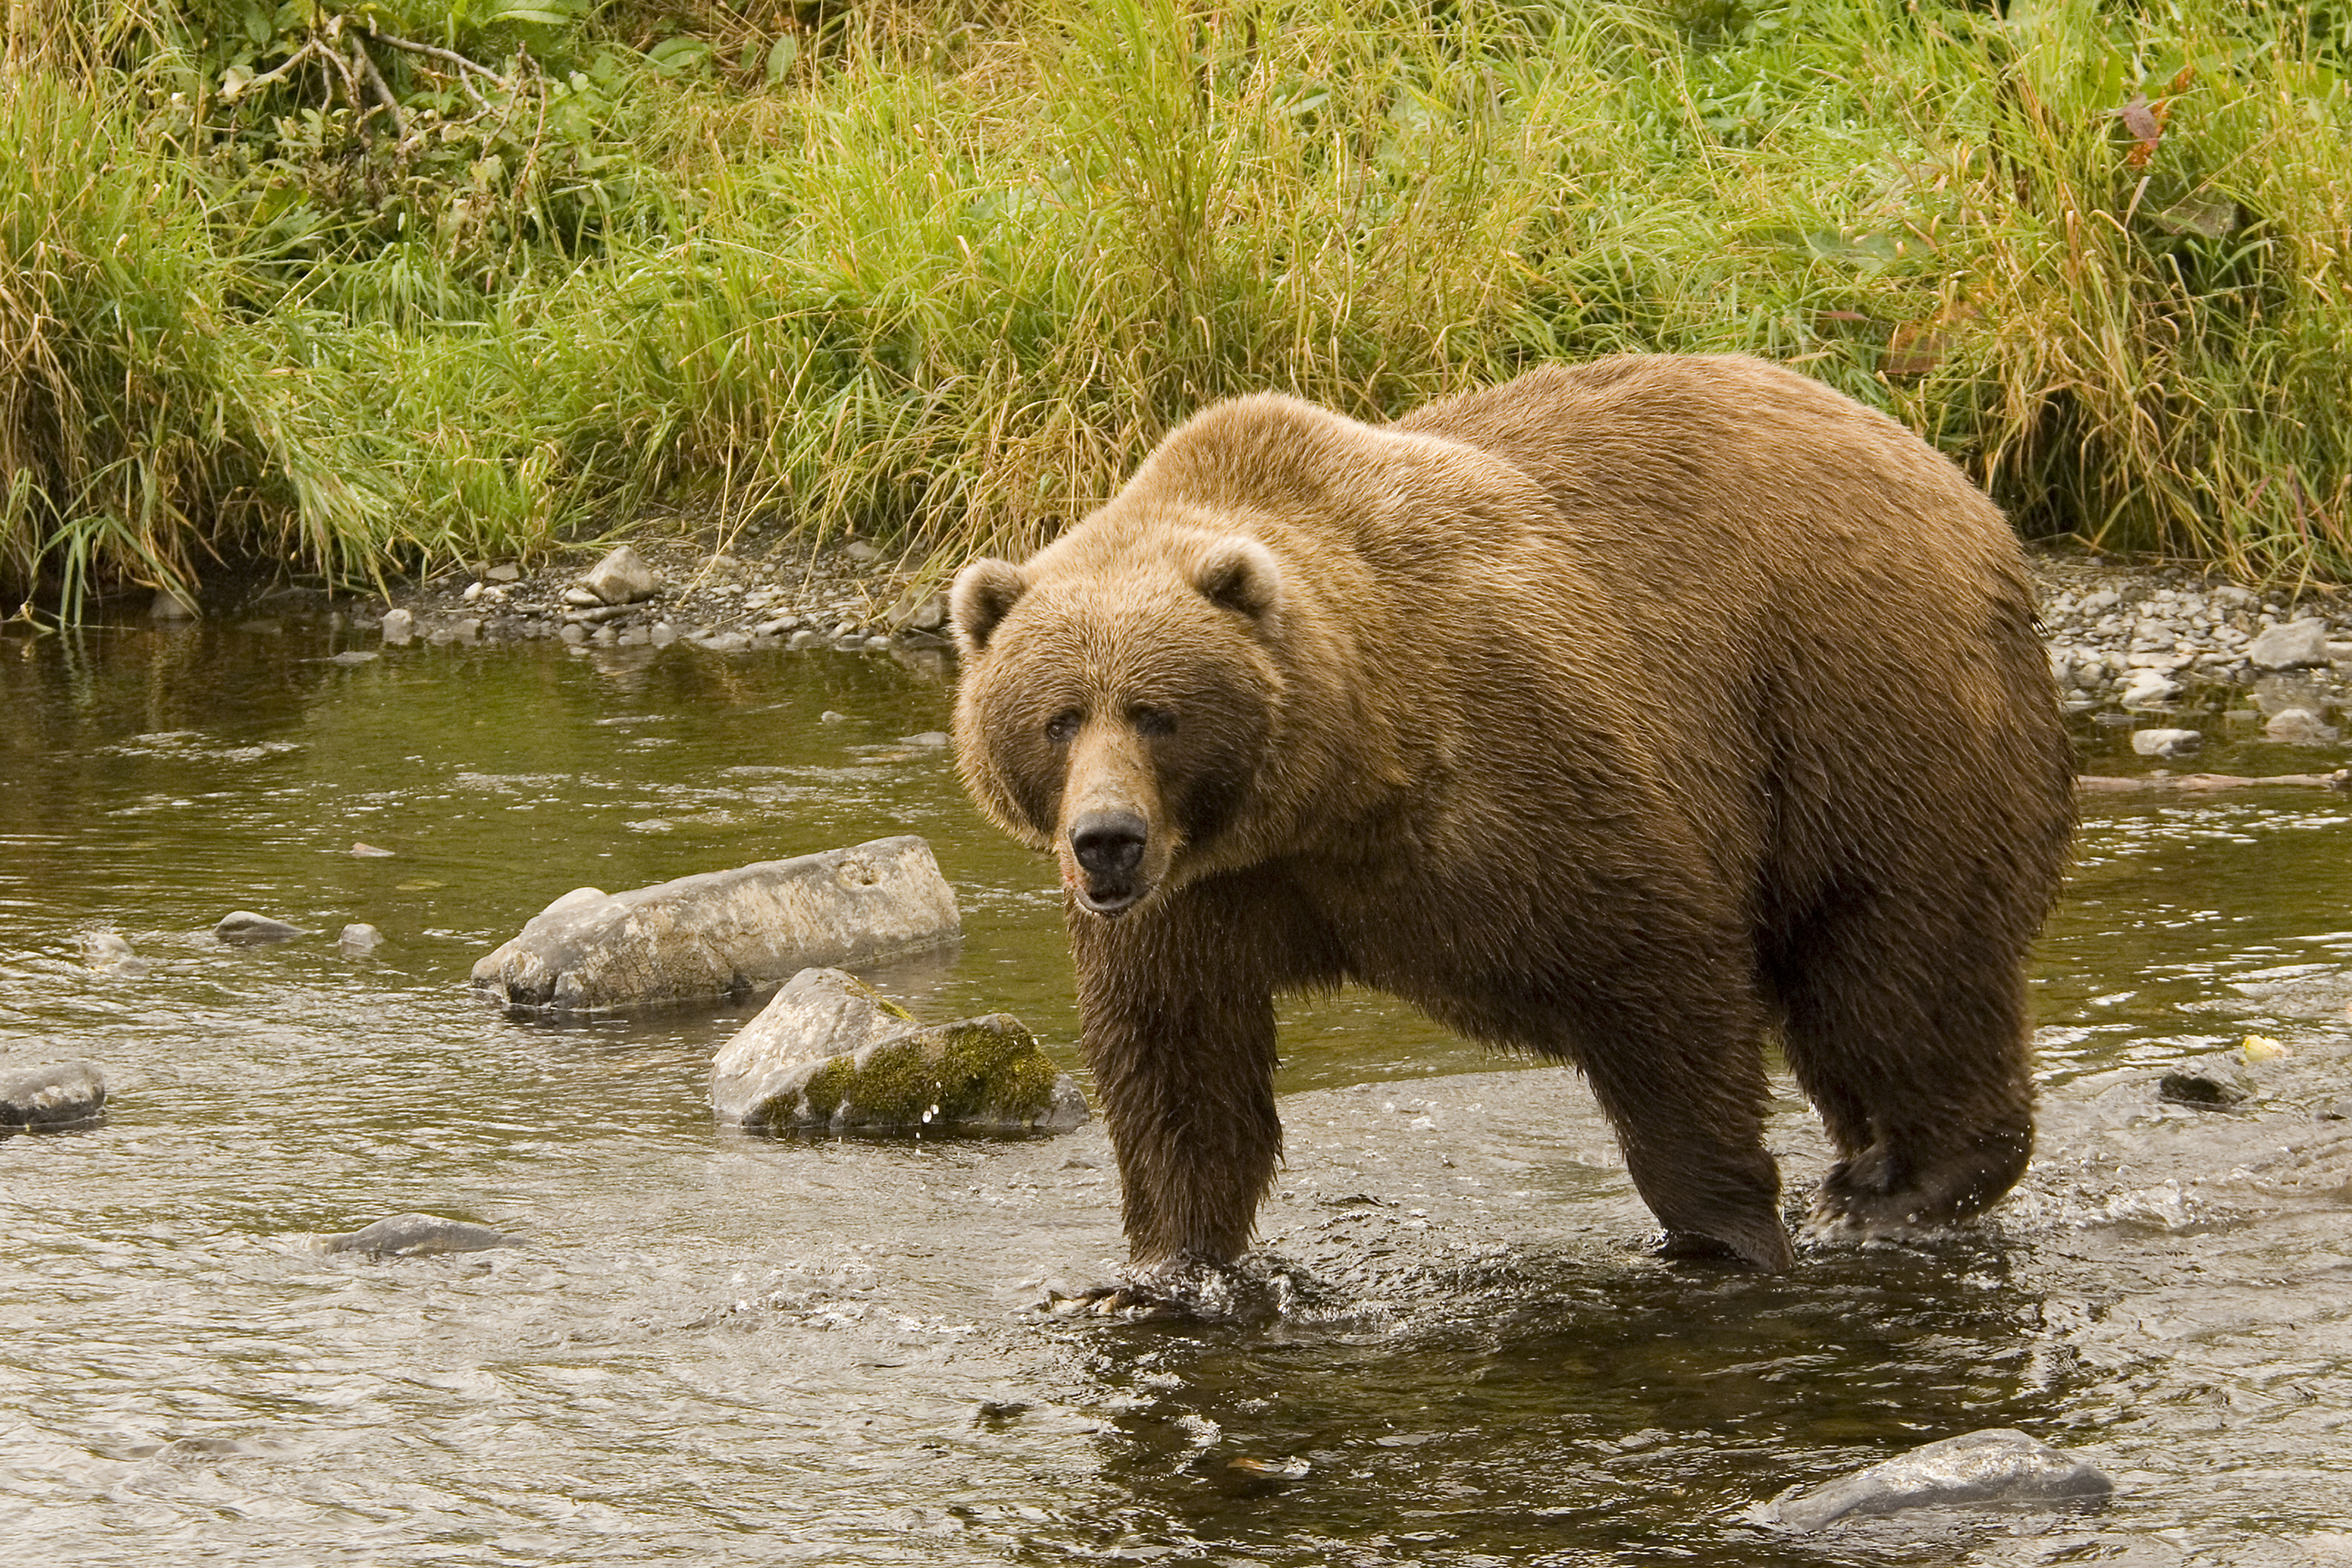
x: 978, y: 1074
x: 830, y: 1055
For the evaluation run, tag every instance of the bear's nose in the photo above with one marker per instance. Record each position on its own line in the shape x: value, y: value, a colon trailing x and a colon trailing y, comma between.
x: 1108, y: 843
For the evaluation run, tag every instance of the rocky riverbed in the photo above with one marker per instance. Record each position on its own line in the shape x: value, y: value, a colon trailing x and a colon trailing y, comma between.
x: 2146, y: 638
x: 846, y: 596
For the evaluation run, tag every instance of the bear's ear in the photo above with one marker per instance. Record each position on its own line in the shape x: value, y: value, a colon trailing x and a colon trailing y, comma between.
x: 1241, y: 576
x: 979, y: 597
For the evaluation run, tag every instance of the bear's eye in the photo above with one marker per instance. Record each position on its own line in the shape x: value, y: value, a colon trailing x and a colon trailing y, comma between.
x: 1063, y: 727
x: 1153, y: 720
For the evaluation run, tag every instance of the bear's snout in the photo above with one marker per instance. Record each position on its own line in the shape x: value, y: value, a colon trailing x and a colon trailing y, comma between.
x: 1109, y: 848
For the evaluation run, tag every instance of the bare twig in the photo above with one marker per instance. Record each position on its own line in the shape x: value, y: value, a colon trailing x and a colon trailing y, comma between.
x: 351, y: 84
x: 365, y: 64
x: 276, y: 71
x: 446, y: 57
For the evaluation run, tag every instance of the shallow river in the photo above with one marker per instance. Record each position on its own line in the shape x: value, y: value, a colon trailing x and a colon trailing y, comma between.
x: 717, y: 1349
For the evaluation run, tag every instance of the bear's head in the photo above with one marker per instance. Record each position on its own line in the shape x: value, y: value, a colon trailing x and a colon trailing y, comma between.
x: 1120, y: 694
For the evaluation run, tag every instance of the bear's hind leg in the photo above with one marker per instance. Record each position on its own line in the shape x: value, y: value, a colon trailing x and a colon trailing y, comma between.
x: 1912, y: 1045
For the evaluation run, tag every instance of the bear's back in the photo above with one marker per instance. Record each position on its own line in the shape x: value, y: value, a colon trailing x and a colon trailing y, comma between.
x: 1824, y: 603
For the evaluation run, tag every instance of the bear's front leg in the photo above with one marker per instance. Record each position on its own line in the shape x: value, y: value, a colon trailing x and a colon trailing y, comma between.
x: 1177, y: 1000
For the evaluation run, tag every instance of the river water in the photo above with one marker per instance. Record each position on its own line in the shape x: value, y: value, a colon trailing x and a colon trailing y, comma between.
x: 717, y: 1349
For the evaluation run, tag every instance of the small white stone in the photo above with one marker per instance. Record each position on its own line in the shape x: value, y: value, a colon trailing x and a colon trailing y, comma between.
x: 2165, y: 743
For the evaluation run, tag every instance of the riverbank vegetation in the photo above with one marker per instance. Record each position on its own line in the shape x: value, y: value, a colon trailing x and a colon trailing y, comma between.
x: 376, y: 286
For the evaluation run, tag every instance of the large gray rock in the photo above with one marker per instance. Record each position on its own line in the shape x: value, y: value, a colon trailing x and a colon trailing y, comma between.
x: 621, y: 578
x: 724, y: 933
x: 827, y: 1054
x: 2291, y: 647
x: 54, y: 1094
x: 1996, y: 1464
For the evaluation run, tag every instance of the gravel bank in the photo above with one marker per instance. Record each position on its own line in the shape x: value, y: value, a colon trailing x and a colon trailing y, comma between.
x: 843, y: 596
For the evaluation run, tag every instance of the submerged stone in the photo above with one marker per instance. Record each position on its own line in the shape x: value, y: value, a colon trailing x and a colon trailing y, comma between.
x: 724, y: 933
x: 828, y: 1053
x: 2159, y: 742
x: 418, y: 1235
x: 105, y: 949
x: 359, y: 939
x: 243, y: 928
x: 1997, y: 1465
x: 51, y: 1095
x: 2215, y: 1080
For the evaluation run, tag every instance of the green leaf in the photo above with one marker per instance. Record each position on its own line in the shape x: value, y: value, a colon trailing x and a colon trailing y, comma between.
x: 783, y: 56
x: 679, y: 53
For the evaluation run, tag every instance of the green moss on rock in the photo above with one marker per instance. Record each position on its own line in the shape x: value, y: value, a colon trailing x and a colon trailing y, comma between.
x: 988, y: 1070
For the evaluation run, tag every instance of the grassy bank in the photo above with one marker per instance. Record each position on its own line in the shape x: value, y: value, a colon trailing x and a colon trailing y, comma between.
x: 379, y: 288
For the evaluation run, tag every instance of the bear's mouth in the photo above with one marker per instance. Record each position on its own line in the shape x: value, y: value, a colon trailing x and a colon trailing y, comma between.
x: 1108, y: 902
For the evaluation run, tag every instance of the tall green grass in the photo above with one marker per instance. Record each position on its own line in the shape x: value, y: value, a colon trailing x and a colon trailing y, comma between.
x: 945, y: 275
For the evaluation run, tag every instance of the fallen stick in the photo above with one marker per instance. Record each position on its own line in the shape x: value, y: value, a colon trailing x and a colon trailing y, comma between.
x: 2094, y: 784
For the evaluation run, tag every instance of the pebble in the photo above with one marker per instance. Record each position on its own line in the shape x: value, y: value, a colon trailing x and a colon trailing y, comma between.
x: 399, y: 626
x: 354, y: 655
x: 2150, y: 688
x: 170, y: 606
x: 506, y: 572
x: 364, y: 849
x: 2300, y: 727
x: 2295, y: 645
x: 621, y: 578
x: 830, y: 716
x: 358, y: 940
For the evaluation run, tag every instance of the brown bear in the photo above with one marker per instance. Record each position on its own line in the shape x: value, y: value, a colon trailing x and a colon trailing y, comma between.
x: 1635, y: 714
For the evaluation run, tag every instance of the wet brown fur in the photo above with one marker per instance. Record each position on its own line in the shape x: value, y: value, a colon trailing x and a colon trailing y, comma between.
x: 1631, y: 713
